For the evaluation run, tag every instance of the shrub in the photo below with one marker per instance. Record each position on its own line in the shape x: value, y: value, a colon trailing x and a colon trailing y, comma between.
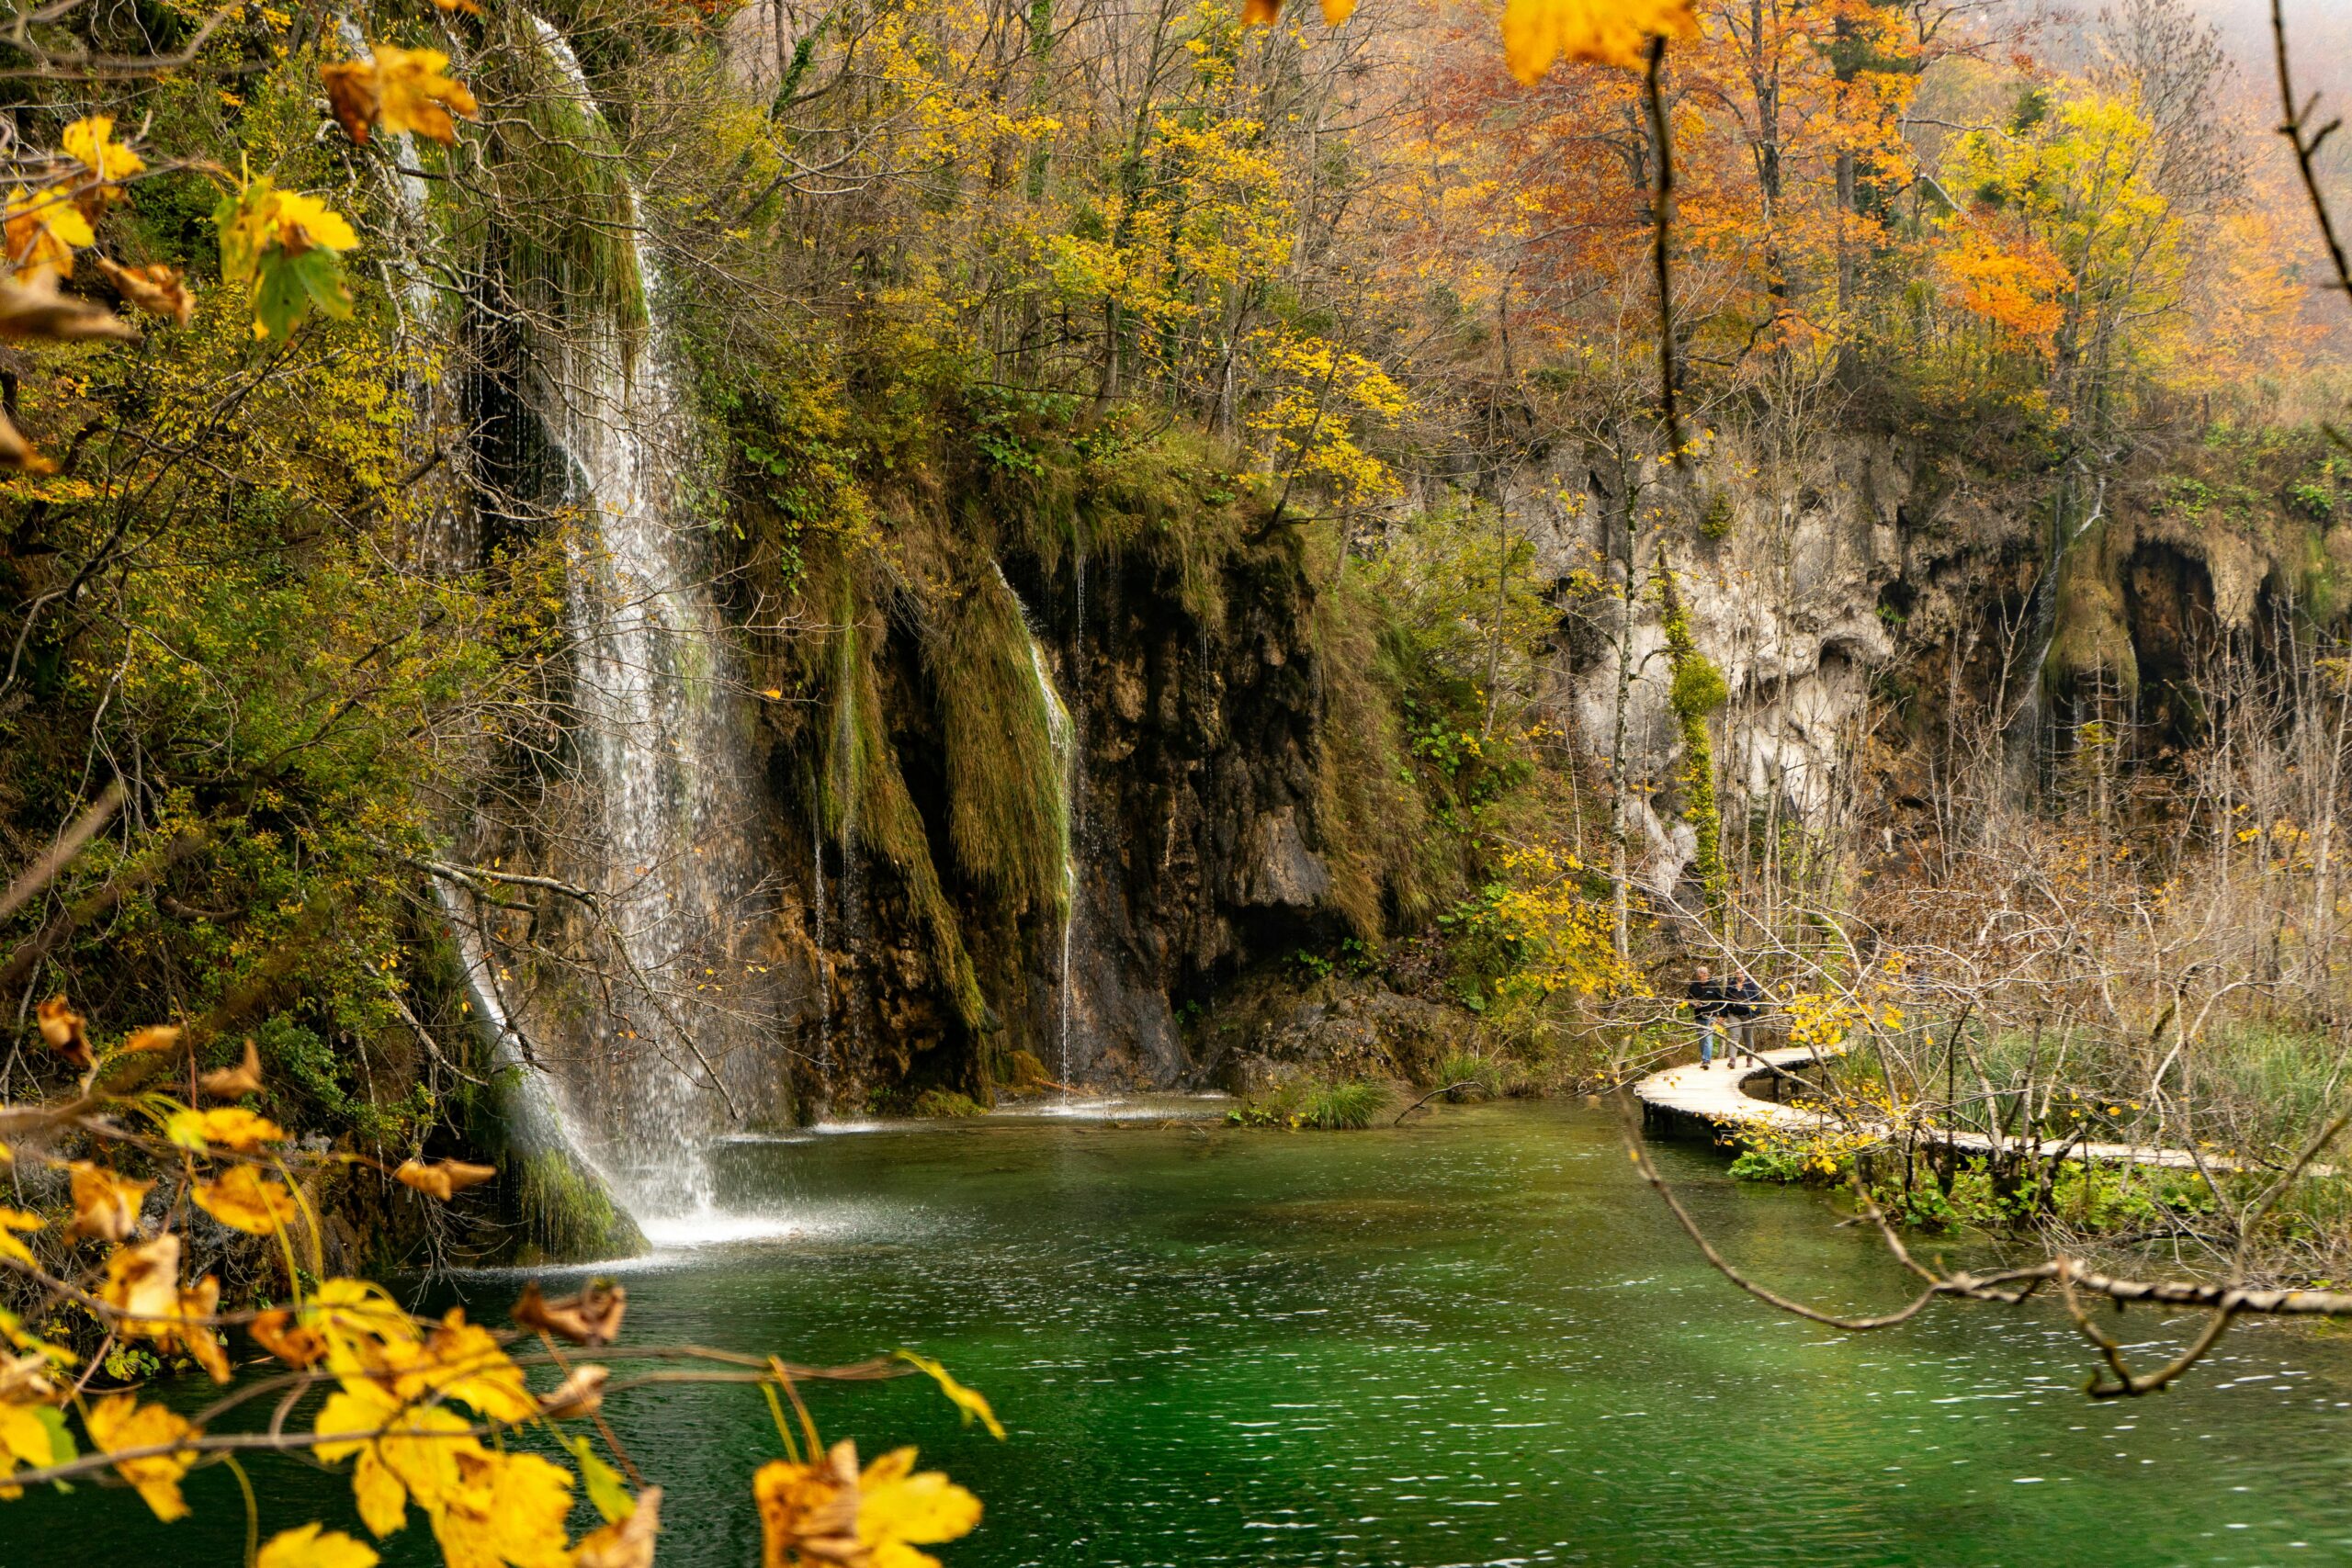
x: 1347, y: 1105
x: 1483, y: 1073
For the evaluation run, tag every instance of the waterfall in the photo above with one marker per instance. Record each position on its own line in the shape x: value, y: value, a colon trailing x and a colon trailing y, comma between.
x: 652, y: 728
x: 1062, y: 734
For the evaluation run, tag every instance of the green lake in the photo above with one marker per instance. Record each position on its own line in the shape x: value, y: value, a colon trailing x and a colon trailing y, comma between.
x: 1477, y: 1340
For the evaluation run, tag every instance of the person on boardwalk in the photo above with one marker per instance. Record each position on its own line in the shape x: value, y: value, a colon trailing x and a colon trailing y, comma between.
x: 1743, y: 1000
x: 1708, y: 1010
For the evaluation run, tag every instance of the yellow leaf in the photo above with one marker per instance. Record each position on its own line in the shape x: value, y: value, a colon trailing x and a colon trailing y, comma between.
x: 23, y: 1439
x: 1337, y: 12
x: 442, y: 1179
x: 243, y: 1200
x: 1536, y: 33
x: 1260, y: 13
x: 120, y: 1422
x: 142, y: 1285
x: 91, y: 143
x: 104, y: 1205
x: 12, y: 1221
x: 968, y: 1401
x: 43, y: 229
x: 900, y: 1507
x: 155, y: 1036
x: 231, y: 1126
x: 627, y: 1542
x: 419, y: 95
x: 310, y: 1547
x: 61, y: 1026
x: 304, y: 222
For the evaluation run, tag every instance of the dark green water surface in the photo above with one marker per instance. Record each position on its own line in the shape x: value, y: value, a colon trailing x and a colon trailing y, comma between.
x: 1479, y: 1340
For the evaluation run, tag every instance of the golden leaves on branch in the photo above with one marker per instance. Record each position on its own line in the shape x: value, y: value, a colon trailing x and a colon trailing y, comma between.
x: 591, y: 1317
x: 1539, y: 33
x: 119, y: 1423
x: 442, y: 1179
x: 106, y: 1206
x: 284, y: 248
x: 829, y: 1512
x: 90, y: 142
x: 400, y: 89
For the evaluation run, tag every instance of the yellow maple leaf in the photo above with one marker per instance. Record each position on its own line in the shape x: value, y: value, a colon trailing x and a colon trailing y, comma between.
x: 244, y: 1199
x: 104, y: 1205
x: 402, y: 1452
x: 1537, y: 33
x: 119, y: 1423
x: 416, y: 93
x: 507, y: 1509
x: 832, y: 1512
x: 91, y: 143
x: 231, y: 1126
x: 44, y: 229
x: 310, y: 1547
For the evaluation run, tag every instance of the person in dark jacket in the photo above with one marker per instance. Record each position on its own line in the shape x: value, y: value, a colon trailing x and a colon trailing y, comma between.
x: 1707, y: 1010
x: 1743, y: 1000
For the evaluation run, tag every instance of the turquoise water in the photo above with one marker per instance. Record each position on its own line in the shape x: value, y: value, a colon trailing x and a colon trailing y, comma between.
x: 1477, y: 1340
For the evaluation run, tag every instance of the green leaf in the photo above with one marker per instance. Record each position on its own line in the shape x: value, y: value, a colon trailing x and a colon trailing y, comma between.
x: 290, y: 285
x: 968, y: 1401
x: 606, y: 1488
x: 62, y: 1449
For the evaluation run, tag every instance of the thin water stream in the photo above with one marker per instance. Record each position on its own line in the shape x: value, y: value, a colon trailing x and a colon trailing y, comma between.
x: 1477, y: 1341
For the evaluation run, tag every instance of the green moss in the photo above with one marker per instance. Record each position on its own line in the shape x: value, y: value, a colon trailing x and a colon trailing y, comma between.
x: 566, y: 220
x: 1005, y: 742
x: 947, y: 1104
x: 1698, y: 689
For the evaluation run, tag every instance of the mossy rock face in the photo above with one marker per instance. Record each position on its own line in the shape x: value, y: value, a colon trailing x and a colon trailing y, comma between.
x: 567, y: 1215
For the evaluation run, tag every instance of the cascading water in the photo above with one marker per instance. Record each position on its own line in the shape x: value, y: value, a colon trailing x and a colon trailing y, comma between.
x: 1062, y: 734
x: 652, y: 728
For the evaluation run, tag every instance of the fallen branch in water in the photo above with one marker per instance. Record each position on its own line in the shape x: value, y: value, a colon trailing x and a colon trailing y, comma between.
x: 1449, y: 1088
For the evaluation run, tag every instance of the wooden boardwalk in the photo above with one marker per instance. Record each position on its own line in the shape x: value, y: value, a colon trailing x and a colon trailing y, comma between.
x: 1691, y: 1099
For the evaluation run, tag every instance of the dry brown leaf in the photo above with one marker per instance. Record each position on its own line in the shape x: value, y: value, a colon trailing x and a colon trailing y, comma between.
x: 625, y: 1543
x: 59, y: 1024
x: 443, y: 1177
x: 582, y: 1393
x: 104, y: 1205
x: 38, y: 310
x: 158, y: 289
x: 277, y: 1332
x: 227, y: 1083
x: 352, y: 94
x: 592, y: 1317
x: 154, y: 1037
x: 16, y: 452
x: 468, y: 6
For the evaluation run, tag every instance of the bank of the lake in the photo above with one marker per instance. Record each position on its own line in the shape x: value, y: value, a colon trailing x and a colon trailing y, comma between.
x: 1475, y: 1341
